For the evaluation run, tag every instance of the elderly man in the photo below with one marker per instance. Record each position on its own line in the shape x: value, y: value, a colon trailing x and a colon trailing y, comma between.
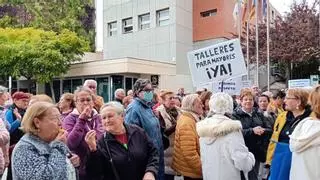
x: 119, y: 94
x: 92, y: 85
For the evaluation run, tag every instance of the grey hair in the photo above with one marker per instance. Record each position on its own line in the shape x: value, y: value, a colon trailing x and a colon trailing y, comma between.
x: 3, y: 90
x: 188, y: 102
x: 139, y: 85
x: 116, y: 105
x: 89, y: 81
x: 118, y: 91
x: 81, y: 89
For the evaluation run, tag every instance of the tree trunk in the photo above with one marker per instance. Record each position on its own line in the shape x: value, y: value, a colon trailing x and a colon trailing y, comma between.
x: 287, y: 71
x: 52, y: 92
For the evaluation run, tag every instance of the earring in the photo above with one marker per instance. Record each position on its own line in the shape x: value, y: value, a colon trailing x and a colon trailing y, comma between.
x: 297, y: 107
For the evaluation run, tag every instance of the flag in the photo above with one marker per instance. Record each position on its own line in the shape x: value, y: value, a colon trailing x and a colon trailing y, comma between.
x: 244, y: 11
x: 253, y: 9
x: 264, y: 8
x: 236, y: 13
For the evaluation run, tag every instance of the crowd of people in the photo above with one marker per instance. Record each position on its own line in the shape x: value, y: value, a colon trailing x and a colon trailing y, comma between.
x: 146, y: 134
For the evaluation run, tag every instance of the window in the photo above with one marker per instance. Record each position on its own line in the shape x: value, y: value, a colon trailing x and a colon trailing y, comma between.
x: 112, y: 28
x: 272, y: 15
x: 211, y: 12
x: 163, y: 17
x: 144, y: 21
x: 117, y: 82
x: 127, y: 25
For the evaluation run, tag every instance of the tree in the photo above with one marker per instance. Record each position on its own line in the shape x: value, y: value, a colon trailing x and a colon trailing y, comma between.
x: 38, y: 54
x: 55, y: 15
x: 294, y: 39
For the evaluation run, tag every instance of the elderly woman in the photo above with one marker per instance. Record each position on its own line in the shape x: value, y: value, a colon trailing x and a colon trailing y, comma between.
x: 124, y: 152
x: 4, y: 96
x: 296, y: 105
x: 40, y: 97
x: 304, y: 143
x: 15, y: 113
x: 256, y: 129
x: 66, y: 104
x: 223, y: 151
x: 42, y: 153
x: 4, y: 134
x: 168, y: 115
x: 81, y: 120
x: 205, y: 97
x: 139, y: 112
x: 186, y: 153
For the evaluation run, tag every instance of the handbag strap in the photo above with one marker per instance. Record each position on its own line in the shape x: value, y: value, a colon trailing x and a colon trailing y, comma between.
x: 115, y: 172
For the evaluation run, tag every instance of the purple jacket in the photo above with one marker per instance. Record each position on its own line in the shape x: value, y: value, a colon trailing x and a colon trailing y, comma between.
x: 77, y: 130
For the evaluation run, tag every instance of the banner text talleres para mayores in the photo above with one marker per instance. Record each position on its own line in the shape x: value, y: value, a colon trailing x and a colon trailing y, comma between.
x: 203, y: 60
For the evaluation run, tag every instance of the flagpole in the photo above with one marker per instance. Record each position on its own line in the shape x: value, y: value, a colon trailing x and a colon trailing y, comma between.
x: 248, y: 54
x: 257, y: 43
x: 239, y: 19
x: 268, y: 45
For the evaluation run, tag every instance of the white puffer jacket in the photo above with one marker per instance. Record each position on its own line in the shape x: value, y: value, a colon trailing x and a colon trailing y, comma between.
x: 223, y: 151
x: 305, y: 147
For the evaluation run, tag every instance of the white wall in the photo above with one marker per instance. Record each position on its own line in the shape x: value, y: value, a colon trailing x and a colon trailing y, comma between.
x: 166, y: 43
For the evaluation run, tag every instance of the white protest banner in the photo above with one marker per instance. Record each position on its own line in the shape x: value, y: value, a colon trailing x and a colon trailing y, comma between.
x: 217, y: 62
x: 231, y: 86
x: 299, y: 83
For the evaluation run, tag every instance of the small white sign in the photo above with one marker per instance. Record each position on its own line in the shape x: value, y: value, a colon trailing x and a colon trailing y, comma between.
x: 231, y: 86
x: 299, y: 83
x: 217, y: 62
x: 314, y: 80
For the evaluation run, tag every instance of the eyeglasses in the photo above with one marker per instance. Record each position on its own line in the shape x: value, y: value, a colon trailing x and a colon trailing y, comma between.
x: 83, y: 100
x: 148, y: 90
x: 291, y: 98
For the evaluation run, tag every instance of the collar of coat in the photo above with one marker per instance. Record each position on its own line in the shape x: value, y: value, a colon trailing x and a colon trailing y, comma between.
x: 76, y: 112
x: 217, y: 126
x: 165, y: 114
x: 41, y: 146
x: 130, y: 130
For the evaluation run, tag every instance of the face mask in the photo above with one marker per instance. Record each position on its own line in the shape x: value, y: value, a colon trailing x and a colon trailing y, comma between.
x: 148, y: 96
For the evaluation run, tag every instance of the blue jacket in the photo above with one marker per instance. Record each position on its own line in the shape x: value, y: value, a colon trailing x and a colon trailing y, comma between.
x: 32, y: 158
x: 140, y: 114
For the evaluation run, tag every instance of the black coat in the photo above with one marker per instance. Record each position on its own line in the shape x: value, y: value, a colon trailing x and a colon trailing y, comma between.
x: 256, y: 144
x: 132, y: 163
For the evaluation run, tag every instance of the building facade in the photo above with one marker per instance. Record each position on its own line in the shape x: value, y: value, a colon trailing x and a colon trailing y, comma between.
x: 150, y: 39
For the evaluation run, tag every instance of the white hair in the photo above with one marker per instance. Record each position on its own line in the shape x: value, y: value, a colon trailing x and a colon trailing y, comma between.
x: 117, y: 91
x: 116, y: 105
x: 221, y: 103
x: 89, y: 81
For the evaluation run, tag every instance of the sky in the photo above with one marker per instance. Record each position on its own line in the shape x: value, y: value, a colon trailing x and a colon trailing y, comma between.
x: 284, y: 5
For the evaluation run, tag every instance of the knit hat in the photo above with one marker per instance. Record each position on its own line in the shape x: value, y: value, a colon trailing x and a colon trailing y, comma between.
x: 20, y: 95
x: 221, y: 103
